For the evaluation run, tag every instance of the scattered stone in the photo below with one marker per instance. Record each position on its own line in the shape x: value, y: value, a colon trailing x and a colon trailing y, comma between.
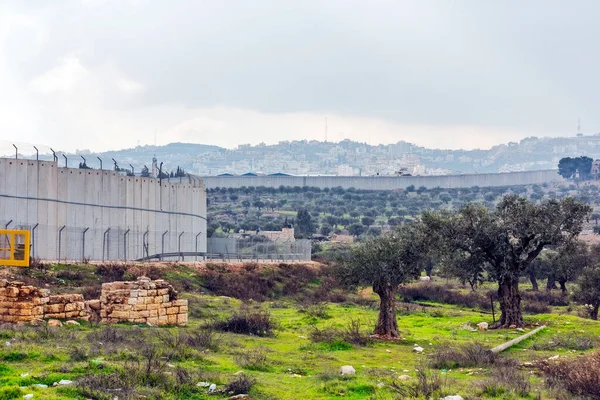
x: 239, y: 373
x: 418, y: 349
x: 212, y: 388
x: 28, y: 396
x: 455, y: 397
x: 239, y: 397
x: 72, y: 322
x: 513, y: 326
x: 483, y: 326
x: 553, y: 357
x: 65, y: 382
x: 54, y: 323
x: 520, y: 329
x: 388, y: 351
x: 296, y: 376
x: 203, y: 384
x: 380, y: 385
x: 404, y: 377
x: 7, y: 344
x: 347, y: 370
x: 425, y: 278
x: 40, y: 386
x: 24, y: 375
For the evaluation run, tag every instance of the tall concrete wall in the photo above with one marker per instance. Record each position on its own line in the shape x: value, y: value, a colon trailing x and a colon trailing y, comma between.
x: 387, y: 182
x: 76, y: 214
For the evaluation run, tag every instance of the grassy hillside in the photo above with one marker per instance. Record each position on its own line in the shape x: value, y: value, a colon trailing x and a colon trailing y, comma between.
x: 304, y: 328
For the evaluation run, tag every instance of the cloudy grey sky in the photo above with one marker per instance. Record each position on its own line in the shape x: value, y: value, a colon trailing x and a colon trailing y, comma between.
x: 103, y: 74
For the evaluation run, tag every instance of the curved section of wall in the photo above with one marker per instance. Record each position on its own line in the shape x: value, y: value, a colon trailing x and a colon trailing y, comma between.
x: 84, y: 214
x: 388, y: 182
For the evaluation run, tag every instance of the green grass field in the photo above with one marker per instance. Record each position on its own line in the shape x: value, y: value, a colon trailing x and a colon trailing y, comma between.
x: 288, y: 365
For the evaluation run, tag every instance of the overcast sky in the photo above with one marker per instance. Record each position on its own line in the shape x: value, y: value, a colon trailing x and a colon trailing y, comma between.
x: 94, y: 74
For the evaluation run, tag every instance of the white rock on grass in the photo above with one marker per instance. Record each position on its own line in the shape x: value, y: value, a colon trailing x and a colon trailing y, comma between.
x: 404, y: 377
x: 212, y: 388
x: 28, y: 396
x: 347, y: 370
x: 418, y: 349
x: 455, y: 397
x: 483, y: 326
x: 203, y: 384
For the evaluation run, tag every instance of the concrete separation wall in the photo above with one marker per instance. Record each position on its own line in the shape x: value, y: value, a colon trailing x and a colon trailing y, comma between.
x: 83, y: 214
x: 387, y: 182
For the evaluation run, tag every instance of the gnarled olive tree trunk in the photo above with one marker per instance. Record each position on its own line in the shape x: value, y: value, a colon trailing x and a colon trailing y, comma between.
x: 534, y: 282
x: 386, y: 323
x: 510, y: 304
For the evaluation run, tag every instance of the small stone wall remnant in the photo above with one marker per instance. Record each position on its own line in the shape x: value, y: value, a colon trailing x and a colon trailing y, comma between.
x: 20, y: 303
x: 142, y: 301
x: 63, y: 306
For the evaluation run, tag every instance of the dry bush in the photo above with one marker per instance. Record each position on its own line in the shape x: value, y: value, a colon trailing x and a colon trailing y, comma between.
x: 254, y: 359
x: 91, y: 292
x: 351, y: 334
x: 204, y: 338
x: 443, y: 294
x: 111, y: 272
x: 506, y: 379
x: 547, y: 297
x: 579, y: 376
x: 428, y: 385
x: 247, y: 322
x: 536, y: 307
x: 566, y: 341
x: 465, y: 355
x: 240, y: 385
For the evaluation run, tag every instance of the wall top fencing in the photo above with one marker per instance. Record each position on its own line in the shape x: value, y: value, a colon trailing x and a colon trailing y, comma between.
x: 14, y: 248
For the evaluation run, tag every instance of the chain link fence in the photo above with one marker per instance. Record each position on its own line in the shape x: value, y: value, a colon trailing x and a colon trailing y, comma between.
x: 257, y: 247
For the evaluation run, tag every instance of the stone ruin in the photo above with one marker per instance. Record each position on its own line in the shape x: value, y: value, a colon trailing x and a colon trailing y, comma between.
x: 143, y: 301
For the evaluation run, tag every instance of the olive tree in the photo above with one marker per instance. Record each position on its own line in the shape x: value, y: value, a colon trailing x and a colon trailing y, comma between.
x: 384, y: 263
x: 507, y: 240
x: 588, y: 289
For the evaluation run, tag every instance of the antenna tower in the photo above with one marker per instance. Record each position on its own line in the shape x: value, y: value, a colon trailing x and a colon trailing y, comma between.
x: 325, y: 129
x: 578, y: 125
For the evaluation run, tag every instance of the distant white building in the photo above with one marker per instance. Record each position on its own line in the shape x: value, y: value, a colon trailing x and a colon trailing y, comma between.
x: 345, y: 170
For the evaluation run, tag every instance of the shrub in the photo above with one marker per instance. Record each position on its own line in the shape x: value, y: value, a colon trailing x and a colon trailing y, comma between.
x: 466, y: 355
x: 341, y: 339
x: 536, y: 307
x: 111, y: 272
x: 9, y: 393
x: 428, y: 385
x: 443, y: 294
x: 547, y: 297
x: 107, y: 334
x: 254, y: 359
x: 204, y: 338
x: 104, y: 386
x: 506, y: 379
x: 572, y: 342
x: 78, y: 354
x: 579, y: 376
x: 354, y: 334
x: 240, y: 385
x: 91, y: 292
x: 319, y: 310
x: 248, y: 322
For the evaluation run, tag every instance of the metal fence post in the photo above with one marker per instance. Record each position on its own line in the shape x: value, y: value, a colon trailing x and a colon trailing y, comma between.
x: 125, y: 244
x: 33, y: 239
x: 60, y: 241
x: 163, y: 244
x: 179, y: 245
x: 145, y: 242
x: 106, y: 244
x: 83, y: 244
x: 197, y: 245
